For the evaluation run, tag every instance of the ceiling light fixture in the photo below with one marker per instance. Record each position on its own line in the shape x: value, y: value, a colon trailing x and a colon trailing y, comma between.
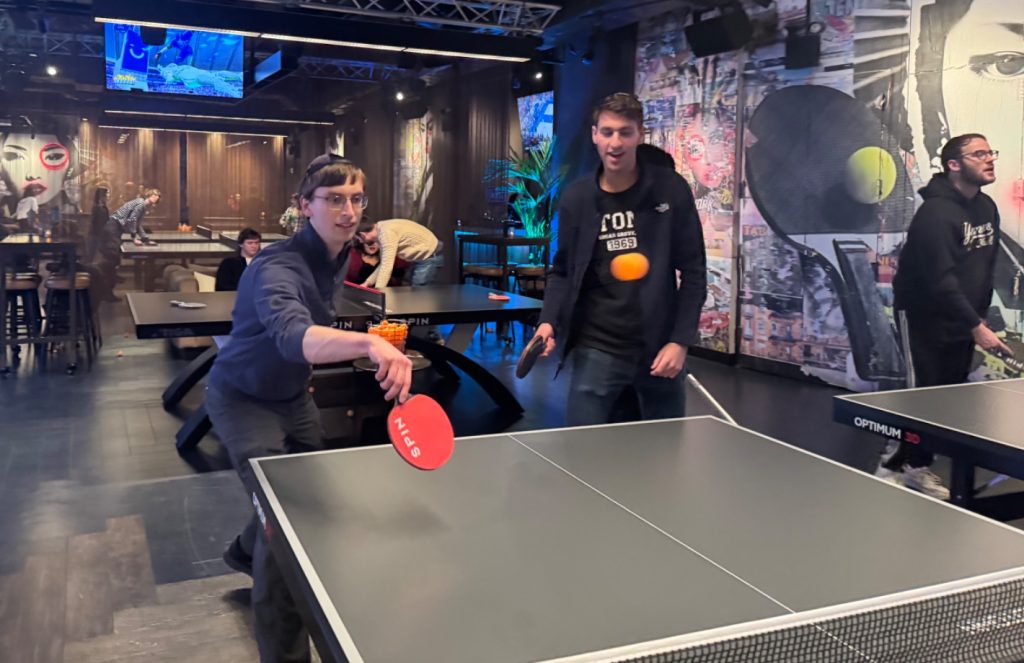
x: 51, y: 70
x: 192, y: 131
x: 317, y: 40
x: 190, y: 116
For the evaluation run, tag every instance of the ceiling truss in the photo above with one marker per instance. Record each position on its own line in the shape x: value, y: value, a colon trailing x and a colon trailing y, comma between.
x: 505, y: 16
x: 91, y: 46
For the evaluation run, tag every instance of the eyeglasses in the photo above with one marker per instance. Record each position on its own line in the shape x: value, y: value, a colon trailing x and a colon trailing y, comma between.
x: 982, y: 154
x: 338, y: 202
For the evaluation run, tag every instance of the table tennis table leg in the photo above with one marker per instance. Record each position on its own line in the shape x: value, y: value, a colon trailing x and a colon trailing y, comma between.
x: 492, y: 386
x: 189, y: 377
x: 461, y: 336
x: 961, y: 490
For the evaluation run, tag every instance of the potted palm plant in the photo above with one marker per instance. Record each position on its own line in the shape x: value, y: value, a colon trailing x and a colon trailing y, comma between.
x: 534, y: 182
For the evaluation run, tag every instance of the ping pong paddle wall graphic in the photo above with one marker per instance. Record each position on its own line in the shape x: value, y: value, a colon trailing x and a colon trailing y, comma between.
x: 820, y: 165
x: 813, y: 146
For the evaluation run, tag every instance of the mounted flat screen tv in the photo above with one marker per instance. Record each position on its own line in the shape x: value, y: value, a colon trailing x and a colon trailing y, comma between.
x: 537, y: 118
x: 184, y: 62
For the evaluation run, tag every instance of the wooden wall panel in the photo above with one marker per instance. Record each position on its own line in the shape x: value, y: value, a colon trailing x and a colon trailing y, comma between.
x: 236, y: 181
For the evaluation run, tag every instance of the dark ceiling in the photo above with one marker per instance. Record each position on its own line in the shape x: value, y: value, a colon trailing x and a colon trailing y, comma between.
x: 35, y: 34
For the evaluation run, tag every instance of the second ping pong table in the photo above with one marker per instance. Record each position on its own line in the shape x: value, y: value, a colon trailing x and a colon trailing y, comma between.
x: 675, y: 540
x: 463, y: 306
x: 146, y: 256
x: 976, y: 425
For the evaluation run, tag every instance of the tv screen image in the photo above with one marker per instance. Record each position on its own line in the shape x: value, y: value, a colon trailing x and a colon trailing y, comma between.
x: 537, y: 118
x: 190, y: 62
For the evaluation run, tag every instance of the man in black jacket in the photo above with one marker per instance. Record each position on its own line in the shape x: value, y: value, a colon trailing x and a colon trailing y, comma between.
x: 625, y: 334
x: 229, y: 273
x: 943, y: 289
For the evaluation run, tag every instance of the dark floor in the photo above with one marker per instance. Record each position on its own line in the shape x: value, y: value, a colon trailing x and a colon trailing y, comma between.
x: 77, y: 451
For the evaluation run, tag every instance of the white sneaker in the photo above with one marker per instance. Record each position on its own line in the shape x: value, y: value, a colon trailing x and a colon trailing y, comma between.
x: 924, y: 480
x: 891, y: 476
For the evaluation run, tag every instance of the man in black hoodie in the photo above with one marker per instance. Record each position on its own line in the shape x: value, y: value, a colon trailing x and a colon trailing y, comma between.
x: 625, y: 333
x: 943, y: 289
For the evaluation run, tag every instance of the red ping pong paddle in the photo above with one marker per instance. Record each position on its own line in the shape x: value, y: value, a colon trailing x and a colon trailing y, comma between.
x: 421, y: 432
x: 531, y: 352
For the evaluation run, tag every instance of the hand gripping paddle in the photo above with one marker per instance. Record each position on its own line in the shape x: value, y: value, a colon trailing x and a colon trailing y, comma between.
x: 531, y: 352
x: 421, y: 432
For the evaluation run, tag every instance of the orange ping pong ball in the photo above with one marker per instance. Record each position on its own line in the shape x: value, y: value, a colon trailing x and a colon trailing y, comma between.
x: 630, y: 266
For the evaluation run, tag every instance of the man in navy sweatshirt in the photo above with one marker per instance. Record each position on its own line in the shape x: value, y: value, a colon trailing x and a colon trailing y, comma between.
x: 625, y: 334
x: 257, y: 392
x: 943, y: 289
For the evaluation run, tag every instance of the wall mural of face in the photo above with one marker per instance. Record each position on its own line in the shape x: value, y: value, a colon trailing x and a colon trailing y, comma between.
x: 45, y: 159
x: 980, y: 89
x: 983, y: 88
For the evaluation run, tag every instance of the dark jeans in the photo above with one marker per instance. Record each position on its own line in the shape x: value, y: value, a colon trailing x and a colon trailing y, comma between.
x: 108, y: 257
x: 929, y: 364
x: 251, y: 429
x: 423, y: 272
x: 599, y: 379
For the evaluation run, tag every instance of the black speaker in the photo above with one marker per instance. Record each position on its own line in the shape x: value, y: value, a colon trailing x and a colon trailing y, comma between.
x: 153, y: 36
x: 447, y: 119
x: 803, y: 51
x: 729, y: 32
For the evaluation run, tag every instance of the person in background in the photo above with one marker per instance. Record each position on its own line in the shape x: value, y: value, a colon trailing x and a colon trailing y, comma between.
x: 364, y: 259
x: 292, y: 220
x: 27, y: 212
x: 97, y: 222
x: 126, y: 219
x: 405, y: 239
x: 230, y: 270
x: 943, y: 289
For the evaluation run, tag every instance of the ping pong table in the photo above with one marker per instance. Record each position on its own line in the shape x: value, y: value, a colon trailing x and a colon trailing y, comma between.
x: 976, y: 424
x: 177, y: 236
x: 675, y: 540
x: 464, y: 306
x: 146, y: 256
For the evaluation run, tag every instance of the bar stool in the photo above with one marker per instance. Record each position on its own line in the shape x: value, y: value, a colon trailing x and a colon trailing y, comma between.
x: 58, y: 310
x: 24, y: 314
x: 530, y: 280
x: 487, y: 274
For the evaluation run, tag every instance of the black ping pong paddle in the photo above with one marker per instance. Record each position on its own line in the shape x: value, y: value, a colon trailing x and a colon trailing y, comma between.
x: 531, y: 352
x: 421, y: 432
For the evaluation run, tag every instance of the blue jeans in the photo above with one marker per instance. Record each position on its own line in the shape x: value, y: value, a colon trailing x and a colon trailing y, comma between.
x: 424, y: 271
x: 599, y: 379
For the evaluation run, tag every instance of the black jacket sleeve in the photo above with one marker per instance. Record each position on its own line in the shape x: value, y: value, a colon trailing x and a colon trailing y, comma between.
x: 938, y: 239
x: 690, y: 259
